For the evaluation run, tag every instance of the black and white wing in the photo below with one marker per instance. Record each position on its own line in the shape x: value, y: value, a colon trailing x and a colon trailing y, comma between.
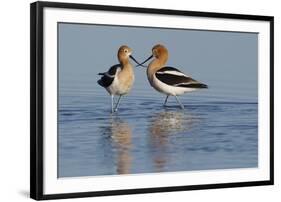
x: 108, y: 77
x: 174, y: 77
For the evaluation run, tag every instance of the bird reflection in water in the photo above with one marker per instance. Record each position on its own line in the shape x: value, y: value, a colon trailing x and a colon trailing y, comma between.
x: 163, y: 126
x: 121, y: 135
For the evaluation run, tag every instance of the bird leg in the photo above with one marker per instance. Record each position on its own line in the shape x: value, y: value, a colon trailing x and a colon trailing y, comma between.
x: 166, y: 100
x: 112, y: 101
x: 115, y: 109
x: 181, y: 105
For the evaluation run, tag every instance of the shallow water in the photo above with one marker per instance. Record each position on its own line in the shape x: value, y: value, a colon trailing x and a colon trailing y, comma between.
x: 145, y: 137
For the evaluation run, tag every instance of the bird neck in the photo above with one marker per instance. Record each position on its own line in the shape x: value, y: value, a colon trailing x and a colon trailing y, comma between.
x: 154, y: 66
x: 125, y: 62
x: 126, y: 66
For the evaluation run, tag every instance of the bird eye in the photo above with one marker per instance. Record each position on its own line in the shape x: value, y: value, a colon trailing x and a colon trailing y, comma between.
x: 125, y: 50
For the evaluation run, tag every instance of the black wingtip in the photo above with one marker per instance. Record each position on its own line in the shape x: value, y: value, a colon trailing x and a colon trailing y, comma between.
x: 100, y: 83
x: 101, y: 74
x: 194, y: 85
x: 204, y: 86
x: 201, y: 85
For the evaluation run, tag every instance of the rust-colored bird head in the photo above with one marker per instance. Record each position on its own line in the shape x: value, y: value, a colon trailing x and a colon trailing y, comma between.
x: 160, y: 52
x: 124, y: 53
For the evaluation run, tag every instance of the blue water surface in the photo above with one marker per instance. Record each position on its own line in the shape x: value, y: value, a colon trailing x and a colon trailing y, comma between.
x: 145, y: 137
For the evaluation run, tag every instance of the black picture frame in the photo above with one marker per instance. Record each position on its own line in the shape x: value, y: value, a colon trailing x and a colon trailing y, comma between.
x: 37, y: 101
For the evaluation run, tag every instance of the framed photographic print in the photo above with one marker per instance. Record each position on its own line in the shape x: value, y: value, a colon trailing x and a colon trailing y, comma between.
x: 136, y: 100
